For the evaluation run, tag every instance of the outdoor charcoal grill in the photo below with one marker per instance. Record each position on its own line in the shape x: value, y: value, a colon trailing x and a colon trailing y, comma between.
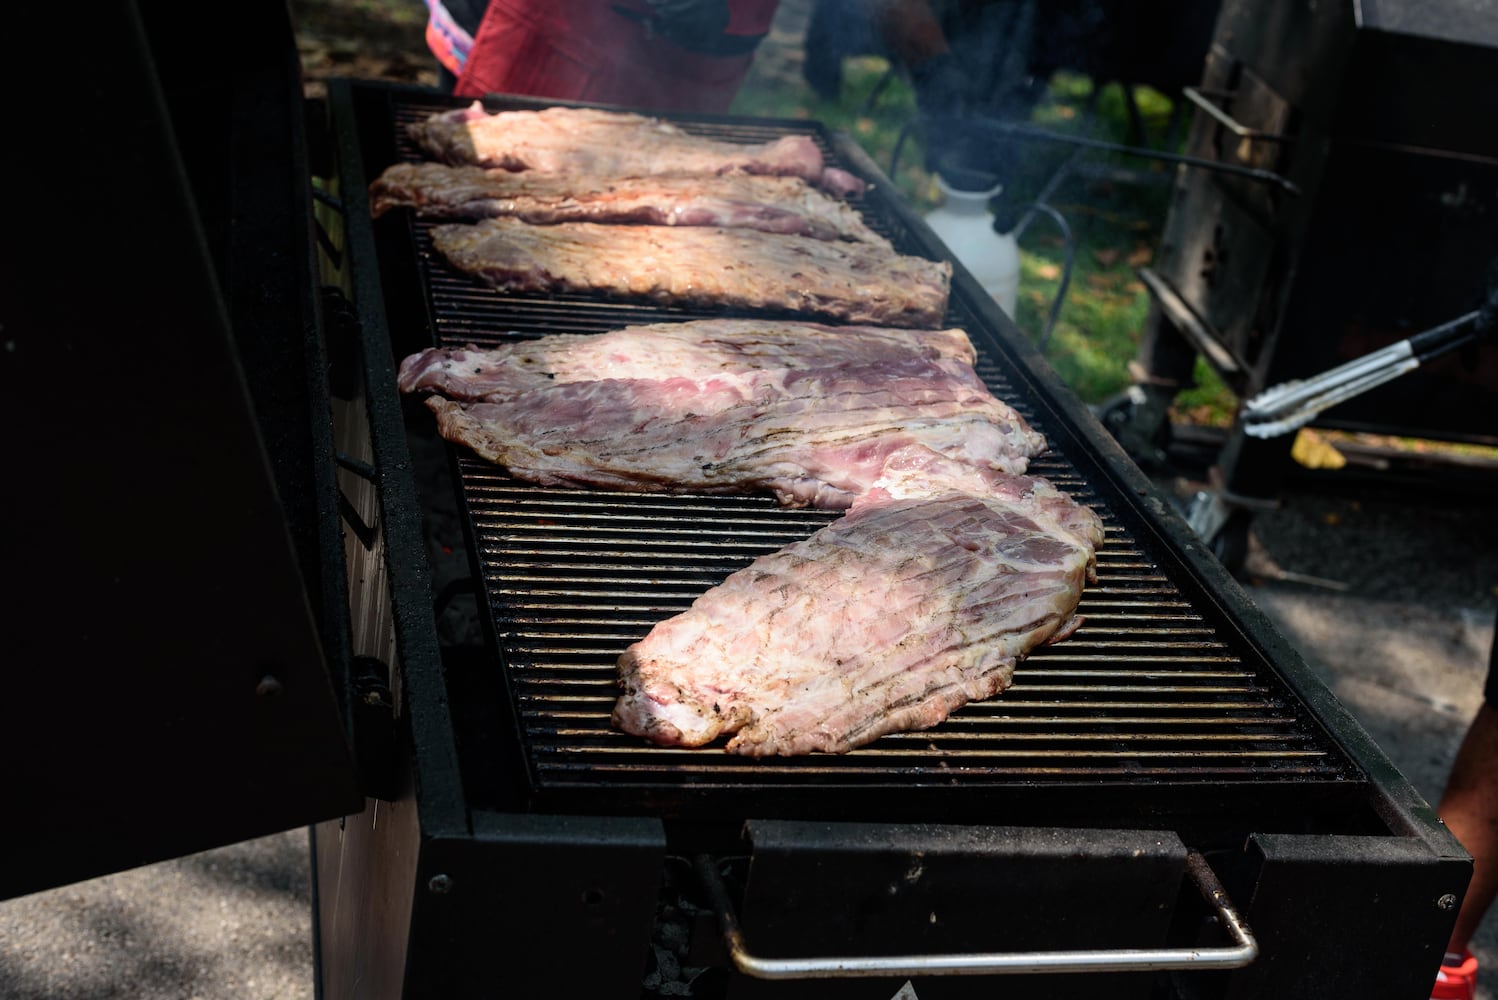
x: 1174, y: 709
x: 1169, y: 769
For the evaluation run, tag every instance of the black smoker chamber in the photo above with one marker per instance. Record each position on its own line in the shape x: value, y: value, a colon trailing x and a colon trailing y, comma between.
x: 1175, y: 729
x: 1378, y: 116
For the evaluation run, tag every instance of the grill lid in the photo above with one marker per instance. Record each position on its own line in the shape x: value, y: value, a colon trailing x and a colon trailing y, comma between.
x: 173, y: 637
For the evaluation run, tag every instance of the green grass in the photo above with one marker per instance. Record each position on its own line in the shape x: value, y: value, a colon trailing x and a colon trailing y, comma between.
x: 781, y: 94
x: 1115, y: 225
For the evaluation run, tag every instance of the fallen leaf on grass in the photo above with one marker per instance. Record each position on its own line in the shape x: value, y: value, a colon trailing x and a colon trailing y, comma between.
x: 1201, y: 415
x: 1141, y: 256
x: 1315, y: 452
x: 1049, y: 272
x: 1106, y: 256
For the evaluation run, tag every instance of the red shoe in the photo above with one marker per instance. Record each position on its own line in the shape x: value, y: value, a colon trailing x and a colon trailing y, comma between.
x: 1457, y: 979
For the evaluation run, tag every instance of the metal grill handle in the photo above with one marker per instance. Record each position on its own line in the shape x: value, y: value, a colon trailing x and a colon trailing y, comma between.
x: 1241, y: 952
x: 1207, y: 101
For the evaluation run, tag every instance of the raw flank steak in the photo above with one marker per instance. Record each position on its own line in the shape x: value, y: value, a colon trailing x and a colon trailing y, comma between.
x: 703, y: 267
x: 815, y: 436
x: 922, y: 597
x: 657, y: 350
x: 732, y: 201
x: 598, y: 142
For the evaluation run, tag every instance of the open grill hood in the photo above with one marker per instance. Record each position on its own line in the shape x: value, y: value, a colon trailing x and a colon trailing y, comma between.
x: 177, y: 643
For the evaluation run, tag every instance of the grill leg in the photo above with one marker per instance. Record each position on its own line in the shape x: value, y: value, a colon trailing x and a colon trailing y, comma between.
x: 1139, y: 417
x: 1246, y: 480
x: 1347, y: 918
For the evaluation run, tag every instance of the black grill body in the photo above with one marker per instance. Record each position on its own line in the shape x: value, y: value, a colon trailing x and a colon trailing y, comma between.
x: 524, y: 833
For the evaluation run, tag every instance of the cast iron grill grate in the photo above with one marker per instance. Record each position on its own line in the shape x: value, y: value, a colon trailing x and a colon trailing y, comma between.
x: 1147, y: 691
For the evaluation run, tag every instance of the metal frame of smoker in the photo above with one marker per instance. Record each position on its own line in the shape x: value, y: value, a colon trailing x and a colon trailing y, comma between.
x: 1372, y: 111
x: 426, y: 894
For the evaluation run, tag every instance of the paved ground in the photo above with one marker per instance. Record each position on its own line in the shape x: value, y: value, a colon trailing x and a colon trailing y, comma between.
x: 229, y: 924
x: 1401, y: 627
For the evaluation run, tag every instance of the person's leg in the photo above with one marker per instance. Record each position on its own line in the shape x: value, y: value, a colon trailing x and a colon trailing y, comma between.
x: 1469, y: 806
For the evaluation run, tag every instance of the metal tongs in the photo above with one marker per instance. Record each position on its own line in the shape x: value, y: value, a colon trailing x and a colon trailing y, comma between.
x: 1291, y: 405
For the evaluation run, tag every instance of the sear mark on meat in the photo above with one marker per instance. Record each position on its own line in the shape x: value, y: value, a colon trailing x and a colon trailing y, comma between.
x: 703, y: 267
x: 817, y: 436
x: 923, y: 597
x: 733, y: 201
x: 595, y: 142
x: 692, y: 349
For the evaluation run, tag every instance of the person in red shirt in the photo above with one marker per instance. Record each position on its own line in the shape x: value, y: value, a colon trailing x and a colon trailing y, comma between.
x: 667, y: 55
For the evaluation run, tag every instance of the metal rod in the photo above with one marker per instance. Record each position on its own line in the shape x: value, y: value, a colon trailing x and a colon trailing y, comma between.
x: 1282, y: 399
x: 1010, y: 739
x: 1045, y: 135
x: 1262, y: 426
x: 1185, y: 319
x: 1177, y: 759
x: 357, y: 466
x: 1240, y: 953
x: 1453, y: 332
x: 1203, y: 99
x: 332, y: 201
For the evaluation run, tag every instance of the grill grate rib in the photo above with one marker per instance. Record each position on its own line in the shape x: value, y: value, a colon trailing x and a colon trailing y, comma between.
x: 1147, y: 690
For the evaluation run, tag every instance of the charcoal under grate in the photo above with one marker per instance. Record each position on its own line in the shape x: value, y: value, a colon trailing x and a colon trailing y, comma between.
x: 1150, y: 690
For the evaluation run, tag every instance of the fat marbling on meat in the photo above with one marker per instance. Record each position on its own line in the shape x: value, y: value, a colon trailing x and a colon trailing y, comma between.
x: 599, y: 142
x: 923, y: 597
x: 733, y: 201
x: 705, y: 267
x: 813, y: 436
x: 694, y: 348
